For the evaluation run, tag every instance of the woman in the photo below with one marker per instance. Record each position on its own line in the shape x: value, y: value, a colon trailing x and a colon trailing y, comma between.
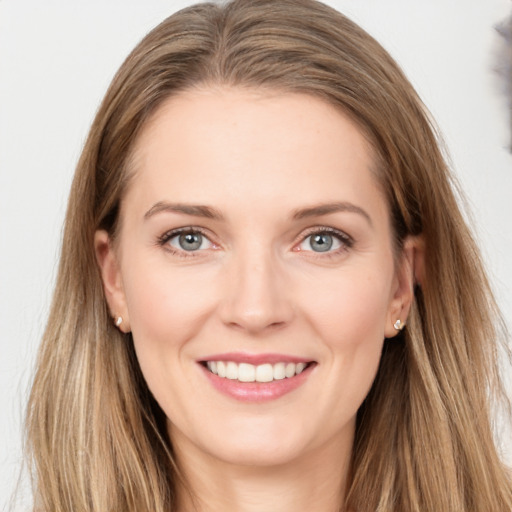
x: 267, y: 297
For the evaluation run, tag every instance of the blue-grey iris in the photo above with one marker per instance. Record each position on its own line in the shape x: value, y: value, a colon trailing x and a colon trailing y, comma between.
x: 321, y: 242
x: 190, y: 241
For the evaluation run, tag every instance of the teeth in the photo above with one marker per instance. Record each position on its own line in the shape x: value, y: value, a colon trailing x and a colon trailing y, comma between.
x: 221, y: 369
x: 264, y: 373
x: 279, y: 371
x: 232, y: 370
x: 245, y: 372
x: 290, y: 370
x: 300, y: 368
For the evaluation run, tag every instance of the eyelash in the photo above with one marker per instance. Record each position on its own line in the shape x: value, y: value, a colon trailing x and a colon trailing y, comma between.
x: 346, y: 241
x: 169, y: 235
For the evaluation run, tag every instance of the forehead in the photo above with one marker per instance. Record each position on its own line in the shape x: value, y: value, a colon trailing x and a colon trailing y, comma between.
x: 235, y: 143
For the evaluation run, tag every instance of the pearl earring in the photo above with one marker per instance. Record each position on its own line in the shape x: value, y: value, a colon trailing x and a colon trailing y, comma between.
x: 398, y: 325
x: 119, y: 321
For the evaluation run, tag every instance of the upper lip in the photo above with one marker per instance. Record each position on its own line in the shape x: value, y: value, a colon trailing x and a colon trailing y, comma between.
x: 255, y: 359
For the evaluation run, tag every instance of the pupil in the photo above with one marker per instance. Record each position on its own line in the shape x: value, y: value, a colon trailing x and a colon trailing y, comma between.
x: 191, y: 241
x: 321, y: 242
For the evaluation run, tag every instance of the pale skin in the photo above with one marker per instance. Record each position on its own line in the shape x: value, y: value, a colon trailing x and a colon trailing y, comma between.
x: 269, y: 172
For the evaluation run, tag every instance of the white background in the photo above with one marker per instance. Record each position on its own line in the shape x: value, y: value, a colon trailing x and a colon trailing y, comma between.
x: 56, y: 60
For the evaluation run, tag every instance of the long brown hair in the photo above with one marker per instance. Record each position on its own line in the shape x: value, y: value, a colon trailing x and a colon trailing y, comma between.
x: 423, y: 438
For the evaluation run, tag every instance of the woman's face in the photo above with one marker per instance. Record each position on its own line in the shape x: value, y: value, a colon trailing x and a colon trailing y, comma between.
x: 256, y: 243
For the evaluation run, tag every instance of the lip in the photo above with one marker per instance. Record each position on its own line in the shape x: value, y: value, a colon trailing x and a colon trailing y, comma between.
x: 256, y: 392
x: 255, y: 359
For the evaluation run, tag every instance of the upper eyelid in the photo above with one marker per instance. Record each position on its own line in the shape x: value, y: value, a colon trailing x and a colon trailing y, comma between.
x: 304, y: 234
x: 164, y: 239
x: 171, y: 233
x: 324, y: 229
x: 345, y: 240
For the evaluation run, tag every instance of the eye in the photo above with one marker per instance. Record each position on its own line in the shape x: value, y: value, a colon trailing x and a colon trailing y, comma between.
x: 188, y: 240
x: 325, y: 241
x: 322, y: 242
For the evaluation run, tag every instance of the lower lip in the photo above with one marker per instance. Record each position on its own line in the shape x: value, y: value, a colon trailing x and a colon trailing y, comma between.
x: 257, y: 391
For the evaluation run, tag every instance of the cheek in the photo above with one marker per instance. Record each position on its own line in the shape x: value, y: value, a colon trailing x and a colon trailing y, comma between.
x: 350, y: 317
x: 351, y: 321
x: 167, y: 307
x: 351, y: 307
x: 167, y: 310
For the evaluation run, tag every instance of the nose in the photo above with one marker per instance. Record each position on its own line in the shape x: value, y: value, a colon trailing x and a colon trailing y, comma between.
x: 256, y: 298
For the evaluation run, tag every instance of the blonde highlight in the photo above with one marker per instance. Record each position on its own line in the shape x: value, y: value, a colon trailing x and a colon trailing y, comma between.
x: 97, y: 437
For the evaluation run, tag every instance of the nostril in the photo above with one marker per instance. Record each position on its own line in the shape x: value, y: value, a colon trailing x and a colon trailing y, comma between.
x: 277, y: 325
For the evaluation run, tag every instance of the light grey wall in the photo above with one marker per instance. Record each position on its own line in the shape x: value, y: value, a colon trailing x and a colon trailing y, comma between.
x: 56, y: 60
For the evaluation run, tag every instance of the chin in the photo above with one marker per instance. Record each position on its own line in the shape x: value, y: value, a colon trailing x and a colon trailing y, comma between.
x: 264, y: 452
x: 254, y: 441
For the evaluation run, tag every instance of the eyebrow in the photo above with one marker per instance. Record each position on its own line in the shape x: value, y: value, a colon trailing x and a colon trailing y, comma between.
x: 211, y: 213
x: 328, y: 208
x: 187, y: 209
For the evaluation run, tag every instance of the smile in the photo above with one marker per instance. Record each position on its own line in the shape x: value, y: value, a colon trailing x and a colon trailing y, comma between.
x: 246, y: 372
x: 256, y: 378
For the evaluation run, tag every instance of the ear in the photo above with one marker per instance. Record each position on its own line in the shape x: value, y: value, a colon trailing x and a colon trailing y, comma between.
x: 111, y: 276
x: 409, y: 270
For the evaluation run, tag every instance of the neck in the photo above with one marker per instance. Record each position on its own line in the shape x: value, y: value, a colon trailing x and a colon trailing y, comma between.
x: 314, y: 481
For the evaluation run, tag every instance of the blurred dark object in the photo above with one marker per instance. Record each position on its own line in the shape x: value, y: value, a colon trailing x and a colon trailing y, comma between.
x: 504, y: 65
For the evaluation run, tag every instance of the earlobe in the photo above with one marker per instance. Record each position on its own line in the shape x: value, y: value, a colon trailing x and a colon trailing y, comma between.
x: 409, y: 272
x: 111, y: 277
